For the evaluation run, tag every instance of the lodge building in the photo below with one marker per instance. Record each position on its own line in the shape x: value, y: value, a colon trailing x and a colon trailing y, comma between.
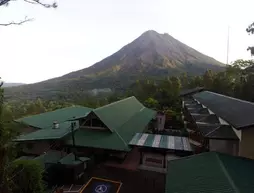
x: 122, y: 136
x: 220, y: 123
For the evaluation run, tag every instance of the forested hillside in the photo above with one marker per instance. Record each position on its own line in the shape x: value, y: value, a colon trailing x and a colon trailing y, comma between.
x: 159, y: 94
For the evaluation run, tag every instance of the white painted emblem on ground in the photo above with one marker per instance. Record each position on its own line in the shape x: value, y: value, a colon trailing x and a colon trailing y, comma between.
x: 101, y: 188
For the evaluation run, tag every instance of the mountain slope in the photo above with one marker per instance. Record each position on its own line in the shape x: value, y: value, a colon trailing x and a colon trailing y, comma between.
x: 148, y: 52
x: 150, y: 55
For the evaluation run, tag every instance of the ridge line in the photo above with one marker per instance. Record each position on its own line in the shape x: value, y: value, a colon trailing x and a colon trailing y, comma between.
x: 224, y: 170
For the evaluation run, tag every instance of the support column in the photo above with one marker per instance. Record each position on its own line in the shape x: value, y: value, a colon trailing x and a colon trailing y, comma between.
x: 141, y: 157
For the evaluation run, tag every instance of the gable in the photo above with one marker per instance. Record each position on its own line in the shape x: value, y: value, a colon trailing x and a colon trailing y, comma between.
x: 92, y: 121
x: 116, y: 114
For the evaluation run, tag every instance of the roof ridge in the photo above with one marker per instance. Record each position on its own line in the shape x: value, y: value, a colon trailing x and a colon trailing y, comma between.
x: 121, y: 139
x: 224, y: 170
x: 125, y: 123
x: 114, y: 103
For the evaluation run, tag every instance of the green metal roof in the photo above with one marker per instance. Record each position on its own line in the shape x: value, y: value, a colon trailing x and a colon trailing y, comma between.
x: 124, y: 118
x: 114, y: 115
x: 210, y: 173
x: 161, y: 142
x: 46, y: 120
x: 98, y: 139
x: 49, y: 133
x: 70, y: 159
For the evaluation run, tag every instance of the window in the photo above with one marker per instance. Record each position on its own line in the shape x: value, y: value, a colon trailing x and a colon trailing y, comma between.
x: 93, y: 123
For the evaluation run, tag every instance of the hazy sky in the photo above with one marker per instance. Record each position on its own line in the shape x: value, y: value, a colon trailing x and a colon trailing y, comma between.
x: 81, y: 32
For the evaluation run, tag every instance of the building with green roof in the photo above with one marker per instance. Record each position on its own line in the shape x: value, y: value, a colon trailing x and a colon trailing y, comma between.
x: 109, y: 127
x: 234, y: 112
x: 210, y: 172
x: 225, y: 124
x: 208, y: 129
x: 119, y: 127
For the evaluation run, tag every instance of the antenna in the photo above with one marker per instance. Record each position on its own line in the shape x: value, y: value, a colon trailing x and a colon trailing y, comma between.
x: 228, y: 45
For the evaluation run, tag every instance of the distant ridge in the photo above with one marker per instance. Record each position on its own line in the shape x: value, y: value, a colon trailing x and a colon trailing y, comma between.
x: 8, y: 84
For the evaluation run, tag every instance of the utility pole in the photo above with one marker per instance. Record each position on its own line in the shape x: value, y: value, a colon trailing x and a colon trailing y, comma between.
x: 228, y: 45
x: 73, y: 139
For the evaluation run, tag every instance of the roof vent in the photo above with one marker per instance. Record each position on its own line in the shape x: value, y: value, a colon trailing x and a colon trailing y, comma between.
x: 55, y: 125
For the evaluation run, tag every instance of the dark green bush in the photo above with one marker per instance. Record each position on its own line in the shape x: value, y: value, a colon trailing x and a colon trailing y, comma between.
x: 27, y: 177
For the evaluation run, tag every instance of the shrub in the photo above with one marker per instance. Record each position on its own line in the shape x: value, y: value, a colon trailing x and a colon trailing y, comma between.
x: 27, y: 176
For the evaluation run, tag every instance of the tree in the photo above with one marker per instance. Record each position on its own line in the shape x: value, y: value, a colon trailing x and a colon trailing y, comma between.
x: 151, y: 103
x: 35, y: 2
x: 184, y: 80
x: 4, y: 150
x: 28, y: 176
x: 242, y: 64
x: 18, y: 176
x: 208, y: 79
x: 250, y: 30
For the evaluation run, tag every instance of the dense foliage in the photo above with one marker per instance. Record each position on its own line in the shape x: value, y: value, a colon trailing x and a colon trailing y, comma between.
x: 15, y: 176
x: 5, y: 150
x: 250, y: 30
x: 27, y: 176
x: 237, y: 81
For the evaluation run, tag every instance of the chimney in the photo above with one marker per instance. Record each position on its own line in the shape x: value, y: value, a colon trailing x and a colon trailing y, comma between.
x: 55, y: 125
